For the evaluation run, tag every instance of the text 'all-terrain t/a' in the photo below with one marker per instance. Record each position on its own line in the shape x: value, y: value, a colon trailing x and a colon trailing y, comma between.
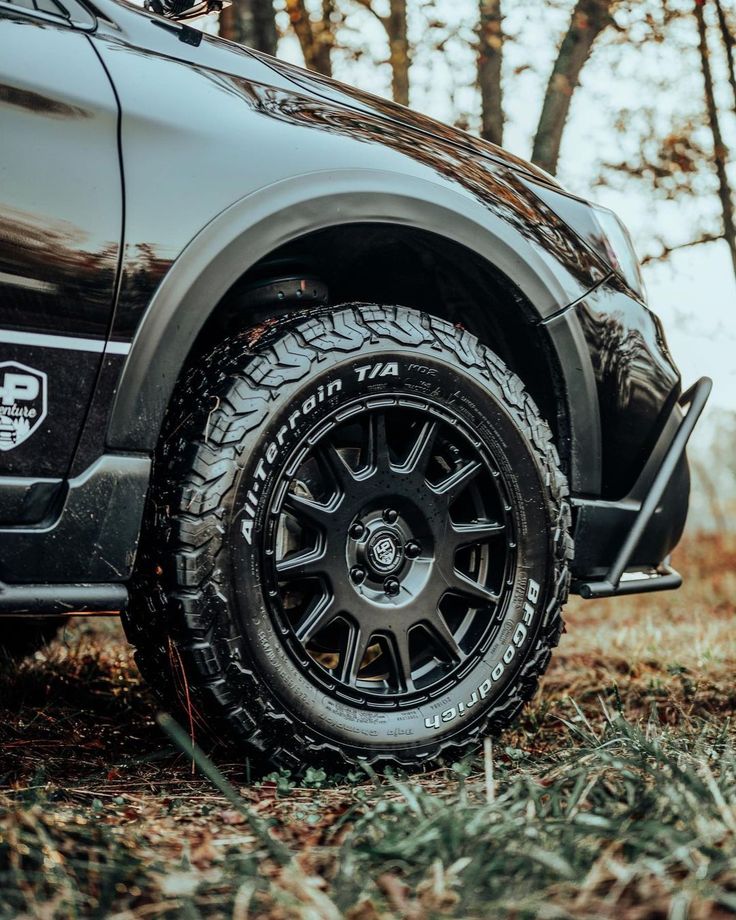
x: 333, y: 402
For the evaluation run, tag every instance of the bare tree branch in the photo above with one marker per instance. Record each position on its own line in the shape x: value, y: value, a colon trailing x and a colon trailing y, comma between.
x: 315, y: 37
x: 252, y: 23
x: 399, y: 50
x: 728, y: 42
x: 490, y: 58
x: 720, y: 150
x: 368, y: 5
x: 589, y: 18
x: 666, y: 251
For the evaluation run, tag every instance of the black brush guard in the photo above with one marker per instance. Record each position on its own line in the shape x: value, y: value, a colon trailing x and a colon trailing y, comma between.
x: 617, y: 581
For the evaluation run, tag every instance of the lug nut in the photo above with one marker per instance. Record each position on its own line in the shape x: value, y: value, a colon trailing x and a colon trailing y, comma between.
x: 390, y: 516
x: 357, y: 574
x: 392, y: 587
x: 412, y: 550
x: 357, y: 531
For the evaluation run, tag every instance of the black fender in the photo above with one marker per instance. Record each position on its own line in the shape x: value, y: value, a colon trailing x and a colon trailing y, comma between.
x: 259, y: 223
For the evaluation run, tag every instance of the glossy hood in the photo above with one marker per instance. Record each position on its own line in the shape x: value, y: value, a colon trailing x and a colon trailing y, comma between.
x: 359, y: 100
x: 219, y: 54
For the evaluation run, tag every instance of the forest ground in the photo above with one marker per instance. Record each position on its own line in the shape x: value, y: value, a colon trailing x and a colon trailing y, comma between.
x: 614, y: 795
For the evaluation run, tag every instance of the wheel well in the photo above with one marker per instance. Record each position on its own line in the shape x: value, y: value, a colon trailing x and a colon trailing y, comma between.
x: 391, y: 264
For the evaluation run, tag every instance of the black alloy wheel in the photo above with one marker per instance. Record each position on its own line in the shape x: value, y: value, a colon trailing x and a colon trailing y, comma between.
x: 392, y: 552
x: 356, y: 545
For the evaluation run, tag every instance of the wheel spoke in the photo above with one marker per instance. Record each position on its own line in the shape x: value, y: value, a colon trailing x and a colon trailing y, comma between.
x: 461, y: 584
x: 306, y: 510
x: 319, y: 614
x: 421, y: 451
x: 308, y: 563
x: 449, y: 489
x: 460, y: 535
x: 444, y: 636
x: 401, y: 656
x: 336, y: 467
x: 379, y: 457
x: 353, y: 654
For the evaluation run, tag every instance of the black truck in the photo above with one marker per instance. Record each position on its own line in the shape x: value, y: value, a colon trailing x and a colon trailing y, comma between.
x: 334, y: 403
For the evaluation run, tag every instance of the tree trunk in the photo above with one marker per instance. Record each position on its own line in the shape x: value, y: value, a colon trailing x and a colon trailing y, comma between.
x: 325, y: 39
x: 399, y: 51
x: 720, y: 150
x: 728, y: 42
x: 589, y: 19
x: 490, y: 57
x: 250, y: 22
x: 315, y: 38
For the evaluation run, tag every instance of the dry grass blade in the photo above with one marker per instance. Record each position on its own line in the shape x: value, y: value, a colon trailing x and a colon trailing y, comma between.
x: 277, y: 850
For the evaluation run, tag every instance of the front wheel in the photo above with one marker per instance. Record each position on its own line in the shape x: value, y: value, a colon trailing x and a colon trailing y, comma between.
x: 358, y: 541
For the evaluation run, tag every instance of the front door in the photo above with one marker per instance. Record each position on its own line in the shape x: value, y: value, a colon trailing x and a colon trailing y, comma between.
x: 60, y: 230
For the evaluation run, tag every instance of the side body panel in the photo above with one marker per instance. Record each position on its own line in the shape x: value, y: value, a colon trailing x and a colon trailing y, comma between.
x: 60, y: 227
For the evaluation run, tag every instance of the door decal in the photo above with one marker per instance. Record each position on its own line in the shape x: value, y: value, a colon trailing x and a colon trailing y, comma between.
x: 23, y: 401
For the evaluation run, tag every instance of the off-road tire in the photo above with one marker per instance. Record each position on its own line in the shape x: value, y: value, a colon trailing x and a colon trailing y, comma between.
x: 198, y: 618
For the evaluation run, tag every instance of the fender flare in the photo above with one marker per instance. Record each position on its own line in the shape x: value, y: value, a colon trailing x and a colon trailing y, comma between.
x: 256, y: 225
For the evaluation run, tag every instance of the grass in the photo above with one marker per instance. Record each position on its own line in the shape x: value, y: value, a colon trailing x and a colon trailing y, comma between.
x: 615, y: 795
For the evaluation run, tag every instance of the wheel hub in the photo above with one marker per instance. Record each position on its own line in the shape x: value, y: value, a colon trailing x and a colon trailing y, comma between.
x: 385, y: 553
x: 382, y: 556
x: 380, y: 548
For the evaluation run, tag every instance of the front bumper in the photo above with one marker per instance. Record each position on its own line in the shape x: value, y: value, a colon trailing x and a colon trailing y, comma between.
x: 625, y: 542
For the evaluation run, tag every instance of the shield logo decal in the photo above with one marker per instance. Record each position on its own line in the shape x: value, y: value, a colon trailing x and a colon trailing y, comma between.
x: 385, y: 552
x: 23, y: 402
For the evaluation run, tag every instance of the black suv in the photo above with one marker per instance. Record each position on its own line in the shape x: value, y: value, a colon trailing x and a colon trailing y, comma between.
x: 313, y: 389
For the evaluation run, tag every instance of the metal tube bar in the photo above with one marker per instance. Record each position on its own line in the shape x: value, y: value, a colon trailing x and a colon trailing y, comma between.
x: 22, y: 600
x: 697, y: 396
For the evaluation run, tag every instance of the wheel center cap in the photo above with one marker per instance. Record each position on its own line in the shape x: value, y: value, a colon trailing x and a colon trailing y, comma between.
x: 385, y: 552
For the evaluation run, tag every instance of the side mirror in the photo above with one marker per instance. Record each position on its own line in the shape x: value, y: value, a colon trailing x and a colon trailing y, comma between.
x: 184, y: 9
